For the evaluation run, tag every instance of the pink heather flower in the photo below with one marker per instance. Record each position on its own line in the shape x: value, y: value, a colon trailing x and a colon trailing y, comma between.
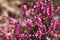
x: 58, y: 9
x: 12, y: 21
x: 28, y: 22
x: 25, y: 12
x: 24, y: 8
x: 53, y: 28
x: 7, y: 33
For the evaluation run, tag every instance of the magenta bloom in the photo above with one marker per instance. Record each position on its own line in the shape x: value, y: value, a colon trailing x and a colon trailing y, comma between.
x: 58, y: 9
x: 28, y: 22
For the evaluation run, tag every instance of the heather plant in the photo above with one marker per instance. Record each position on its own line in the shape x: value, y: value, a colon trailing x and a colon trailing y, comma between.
x: 38, y: 23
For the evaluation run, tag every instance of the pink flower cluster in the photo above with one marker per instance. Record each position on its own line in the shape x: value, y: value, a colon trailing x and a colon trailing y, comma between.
x: 38, y: 23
